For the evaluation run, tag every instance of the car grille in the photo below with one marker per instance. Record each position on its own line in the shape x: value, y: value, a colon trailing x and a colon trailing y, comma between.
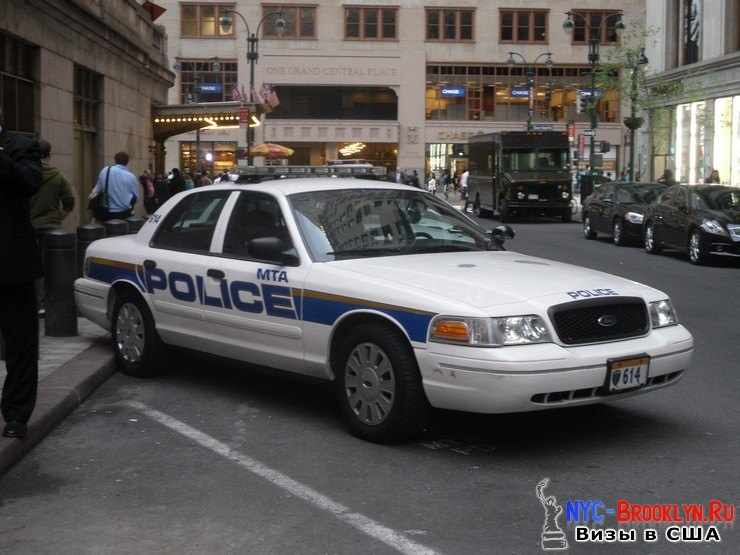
x: 555, y: 397
x: 595, y: 320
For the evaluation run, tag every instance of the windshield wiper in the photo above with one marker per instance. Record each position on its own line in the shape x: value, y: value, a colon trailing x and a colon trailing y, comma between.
x: 444, y: 248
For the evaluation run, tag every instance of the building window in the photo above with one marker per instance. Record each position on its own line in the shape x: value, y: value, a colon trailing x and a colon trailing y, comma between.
x: 595, y: 23
x: 87, y: 98
x: 203, y: 20
x: 214, y: 157
x: 523, y: 26
x: 499, y: 92
x: 300, y: 22
x: 17, y: 87
x: 370, y: 23
x: 449, y: 24
x: 207, y: 80
x: 691, y: 31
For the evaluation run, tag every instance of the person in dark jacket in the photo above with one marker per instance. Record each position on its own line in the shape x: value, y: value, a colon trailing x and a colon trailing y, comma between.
x: 177, y: 182
x: 55, y: 199
x: 20, y: 179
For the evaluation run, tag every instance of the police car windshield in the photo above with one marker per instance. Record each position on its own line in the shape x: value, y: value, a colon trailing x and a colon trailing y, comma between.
x: 360, y: 223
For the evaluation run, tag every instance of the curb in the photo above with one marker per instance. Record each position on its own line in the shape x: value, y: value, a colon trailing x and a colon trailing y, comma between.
x: 58, y: 395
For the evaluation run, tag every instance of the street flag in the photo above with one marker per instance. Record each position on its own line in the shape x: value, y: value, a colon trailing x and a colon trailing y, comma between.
x: 235, y: 94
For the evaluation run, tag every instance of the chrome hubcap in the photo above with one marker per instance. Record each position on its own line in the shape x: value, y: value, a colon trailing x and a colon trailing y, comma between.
x: 694, y: 247
x: 649, y: 238
x: 369, y: 383
x: 130, y: 338
x: 587, y: 226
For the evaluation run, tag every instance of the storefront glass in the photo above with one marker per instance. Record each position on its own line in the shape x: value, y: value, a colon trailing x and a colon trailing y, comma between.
x: 722, y: 144
x: 214, y: 157
x: 452, y: 157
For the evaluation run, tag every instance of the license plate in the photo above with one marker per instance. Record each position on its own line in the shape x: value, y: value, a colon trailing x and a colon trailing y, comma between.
x: 627, y: 373
x: 533, y: 197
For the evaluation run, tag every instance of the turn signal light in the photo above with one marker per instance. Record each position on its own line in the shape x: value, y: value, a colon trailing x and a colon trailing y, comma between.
x: 451, y: 330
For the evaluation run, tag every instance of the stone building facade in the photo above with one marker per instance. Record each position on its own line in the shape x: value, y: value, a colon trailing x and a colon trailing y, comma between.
x: 83, y: 74
x: 697, y: 45
x: 404, y: 83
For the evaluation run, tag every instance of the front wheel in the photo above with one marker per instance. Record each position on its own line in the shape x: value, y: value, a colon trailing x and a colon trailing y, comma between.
x: 697, y: 249
x: 588, y: 230
x: 379, y: 385
x: 136, y: 342
x: 618, y: 233
x: 651, y: 244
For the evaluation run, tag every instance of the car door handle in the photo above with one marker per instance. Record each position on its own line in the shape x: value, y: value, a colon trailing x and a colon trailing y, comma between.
x: 215, y: 274
x: 150, y: 264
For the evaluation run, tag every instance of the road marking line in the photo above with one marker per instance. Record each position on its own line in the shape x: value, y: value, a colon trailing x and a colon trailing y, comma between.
x: 364, y: 524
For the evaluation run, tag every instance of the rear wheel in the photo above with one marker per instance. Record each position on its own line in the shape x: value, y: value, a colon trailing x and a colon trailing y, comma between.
x: 504, y: 213
x: 697, y: 249
x: 136, y: 342
x: 588, y: 231
x: 618, y: 232
x: 379, y: 385
x: 651, y: 245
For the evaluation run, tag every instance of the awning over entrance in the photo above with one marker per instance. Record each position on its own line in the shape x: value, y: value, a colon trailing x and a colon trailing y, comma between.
x: 174, y: 119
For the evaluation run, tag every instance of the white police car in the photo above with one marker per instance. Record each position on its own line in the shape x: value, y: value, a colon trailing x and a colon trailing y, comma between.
x: 389, y: 292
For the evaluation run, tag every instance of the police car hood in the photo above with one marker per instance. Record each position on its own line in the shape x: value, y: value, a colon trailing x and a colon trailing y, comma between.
x: 490, y: 278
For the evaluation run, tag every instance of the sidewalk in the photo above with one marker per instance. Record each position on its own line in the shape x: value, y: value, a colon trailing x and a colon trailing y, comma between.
x: 70, y: 368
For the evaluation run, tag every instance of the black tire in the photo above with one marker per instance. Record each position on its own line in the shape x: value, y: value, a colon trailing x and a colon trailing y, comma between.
x: 650, y: 243
x: 697, y: 249
x: 567, y: 215
x: 588, y: 231
x: 407, y: 413
x: 149, y: 361
x: 618, y: 232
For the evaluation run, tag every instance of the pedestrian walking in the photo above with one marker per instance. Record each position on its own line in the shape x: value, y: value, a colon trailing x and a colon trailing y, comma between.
x: 147, y: 188
x: 464, y: 184
x: 54, y: 199
x: 432, y: 184
x: 713, y: 177
x: 446, y: 184
x: 668, y: 178
x: 204, y: 180
x: 189, y: 183
x: 115, y: 192
x: 415, y: 180
x: 49, y: 206
x: 176, y: 182
x: 161, y: 190
x: 20, y: 179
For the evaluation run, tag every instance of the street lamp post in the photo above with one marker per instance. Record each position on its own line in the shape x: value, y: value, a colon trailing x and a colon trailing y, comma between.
x: 594, y: 58
x: 633, y: 122
x: 530, y: 79
x: 227, y: 20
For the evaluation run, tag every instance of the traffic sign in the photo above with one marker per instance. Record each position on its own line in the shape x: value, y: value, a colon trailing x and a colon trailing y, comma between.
x: 244, y: 115
x: 520, y: 92
x: 589, y: 132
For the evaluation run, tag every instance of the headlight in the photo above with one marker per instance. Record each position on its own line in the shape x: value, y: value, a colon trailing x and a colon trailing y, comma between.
x: 565, y: 194
x: 662, y: 314
x: 713, y: 226
x: 633, y: 217
x: 490, y: 332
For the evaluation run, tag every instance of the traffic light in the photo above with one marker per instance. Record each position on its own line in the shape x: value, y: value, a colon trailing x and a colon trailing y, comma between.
x: 605, y: 147
x: 582, y: 103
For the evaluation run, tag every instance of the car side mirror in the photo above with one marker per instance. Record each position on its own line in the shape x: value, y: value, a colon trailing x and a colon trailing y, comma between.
x: 500, y: 234
x: 270, y: 249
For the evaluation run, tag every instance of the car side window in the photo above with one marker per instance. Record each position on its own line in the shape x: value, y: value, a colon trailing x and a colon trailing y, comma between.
x: 190, y: 224
x: 255, y: 215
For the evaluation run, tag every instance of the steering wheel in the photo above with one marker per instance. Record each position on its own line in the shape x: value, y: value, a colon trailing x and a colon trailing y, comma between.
x: 423, y: 235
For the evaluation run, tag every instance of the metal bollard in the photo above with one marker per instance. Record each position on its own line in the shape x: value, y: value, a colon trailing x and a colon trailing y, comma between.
x: 60, y: 266
x: 114, y: 228
x: 135, y: 223
x: 86, y: 234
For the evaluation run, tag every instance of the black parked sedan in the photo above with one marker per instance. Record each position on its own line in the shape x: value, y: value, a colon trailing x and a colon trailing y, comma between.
x: 704, y: 220
x: 618, y: 209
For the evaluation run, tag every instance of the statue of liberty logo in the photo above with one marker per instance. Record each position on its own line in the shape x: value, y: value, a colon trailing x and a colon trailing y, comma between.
x: 553, y: 538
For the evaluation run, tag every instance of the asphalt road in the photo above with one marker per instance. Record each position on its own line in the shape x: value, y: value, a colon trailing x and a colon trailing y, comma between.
x: 217, y: 459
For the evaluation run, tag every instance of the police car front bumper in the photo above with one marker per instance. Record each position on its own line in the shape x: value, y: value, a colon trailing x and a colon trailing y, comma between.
x: 543, y: 376
x: 91, y: 297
